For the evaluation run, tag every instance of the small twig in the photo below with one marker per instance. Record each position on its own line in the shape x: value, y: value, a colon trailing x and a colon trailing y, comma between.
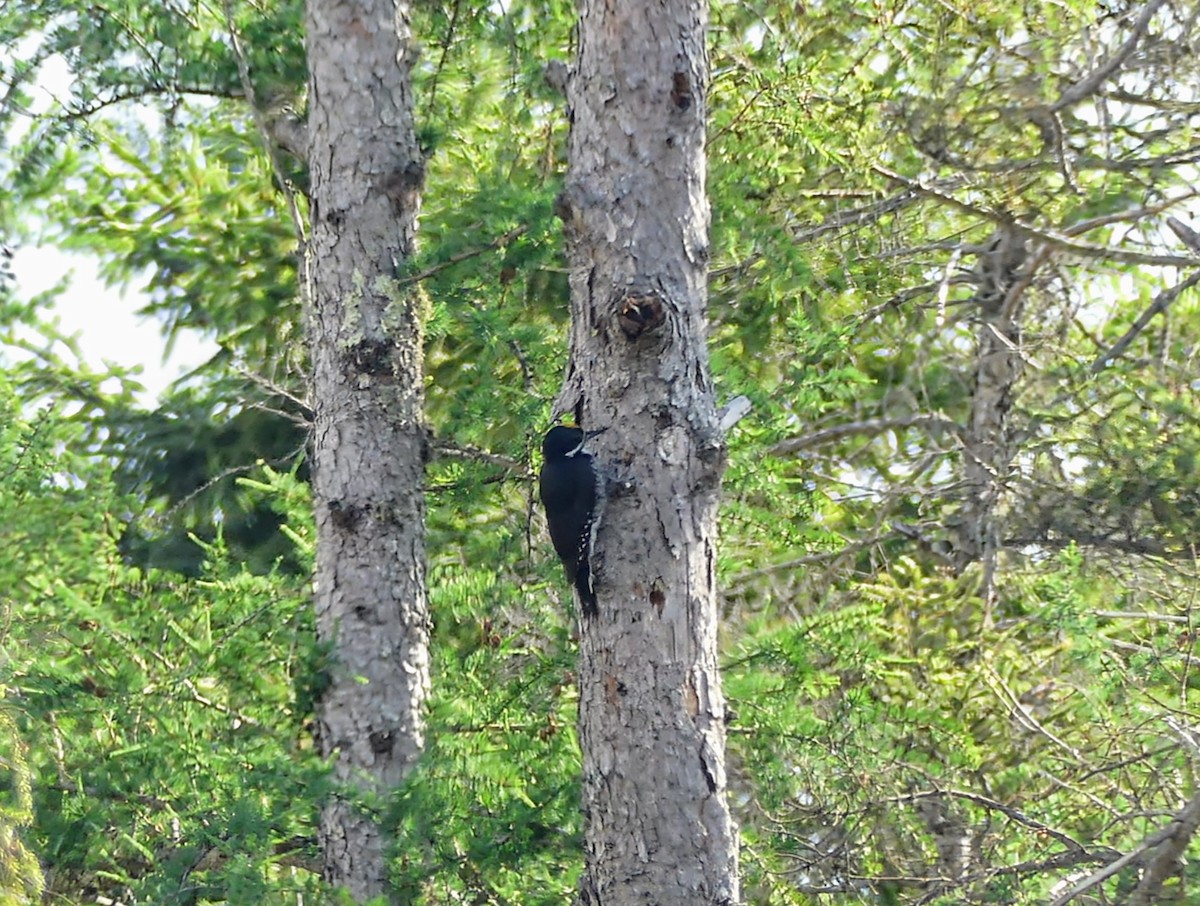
x: 466, y: 451
x: 498, y: 243
x: 856, y: 216
x: 1134, y: 615
x: 499, y: 478
x: 164, y: 518
x: 441, y: 64
x: 720, y: 273
x: 1025, y: 716
x: 738, y: 583
x: 277, y: 390
x: 526, y: 371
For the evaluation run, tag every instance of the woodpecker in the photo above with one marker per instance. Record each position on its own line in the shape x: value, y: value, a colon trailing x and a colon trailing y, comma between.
x: 572, y: 492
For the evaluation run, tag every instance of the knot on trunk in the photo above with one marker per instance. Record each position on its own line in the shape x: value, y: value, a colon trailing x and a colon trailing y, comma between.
x: 370, y: 356
x: 681, y: 91
x: 403, y: 185
x: 640, y: 311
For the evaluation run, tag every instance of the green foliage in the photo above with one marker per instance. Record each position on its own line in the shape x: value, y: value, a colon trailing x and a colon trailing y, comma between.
x: 852, y: 721
x: 21, y: 879
x: 163, y: 766
x: 861, y: 155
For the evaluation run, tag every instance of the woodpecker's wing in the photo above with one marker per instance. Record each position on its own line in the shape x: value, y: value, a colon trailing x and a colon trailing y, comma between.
x: 572, y: 502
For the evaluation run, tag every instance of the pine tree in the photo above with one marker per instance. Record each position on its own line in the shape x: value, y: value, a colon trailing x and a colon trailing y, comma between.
x: 368, y: 440
x: 651, y: 712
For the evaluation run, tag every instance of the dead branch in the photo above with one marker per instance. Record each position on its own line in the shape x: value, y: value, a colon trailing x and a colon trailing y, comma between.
x: 1059, y: 240
x: 1186, y: 234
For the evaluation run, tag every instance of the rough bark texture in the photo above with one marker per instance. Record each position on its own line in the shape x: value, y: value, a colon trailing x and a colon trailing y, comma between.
x: 651, y: 713
x: 368, y: 439
x: 988, y: 455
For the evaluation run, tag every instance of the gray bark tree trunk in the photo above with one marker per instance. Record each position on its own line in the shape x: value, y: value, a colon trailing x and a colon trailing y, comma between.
x: 651, y: 714
x: 989, y: 452
x: 369, y: 444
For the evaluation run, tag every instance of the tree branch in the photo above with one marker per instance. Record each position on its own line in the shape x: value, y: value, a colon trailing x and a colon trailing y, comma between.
x: 1007, y: 810
x: 1186, y: 234
x: 1173, y: 838
x: 1091, y: 83
x: 264, y: 127
x: 498, y: 243
x: 870, y: 426
x: 1160, y: 304
x: 1052, y: 237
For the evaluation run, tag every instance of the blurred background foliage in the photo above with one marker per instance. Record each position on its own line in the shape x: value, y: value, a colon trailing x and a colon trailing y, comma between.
x: 909, y: 728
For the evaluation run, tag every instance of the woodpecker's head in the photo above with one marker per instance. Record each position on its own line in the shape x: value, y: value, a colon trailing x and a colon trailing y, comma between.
x: 564, y: 441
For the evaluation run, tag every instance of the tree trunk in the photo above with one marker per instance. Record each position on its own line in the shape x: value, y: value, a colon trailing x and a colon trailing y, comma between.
x: 651, y: 713
x: 989, y: 453
x: 368, y: 439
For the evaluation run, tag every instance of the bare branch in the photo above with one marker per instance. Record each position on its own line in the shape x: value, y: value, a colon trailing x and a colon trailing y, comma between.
x: 1173, y: 838
x: 1007, y: 810
x: 278, y: 390
x: 1132, y: 215
x: 1135, y: 615
x: 143, y: 92
x: 871, y: 427
x: 1091, y: 83
x: 264, y: 127
x: 498, y: 243
x: 737, y: 583
x: 1024, y: 716
x: 465, y: 451
x: 1160, y: 304
x: 1146, y: 547
x: 1186, y: 234
x: 1052, y: 237
x: 855, y: 216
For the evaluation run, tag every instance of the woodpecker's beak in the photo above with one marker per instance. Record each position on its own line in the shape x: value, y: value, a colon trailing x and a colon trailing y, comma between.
x: 587, y: 435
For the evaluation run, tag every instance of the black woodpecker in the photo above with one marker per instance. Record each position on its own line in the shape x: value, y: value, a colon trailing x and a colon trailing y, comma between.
x: 573, y: 494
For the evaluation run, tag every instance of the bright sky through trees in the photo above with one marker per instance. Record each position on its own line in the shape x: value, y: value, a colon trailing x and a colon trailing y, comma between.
x: 106, y: 320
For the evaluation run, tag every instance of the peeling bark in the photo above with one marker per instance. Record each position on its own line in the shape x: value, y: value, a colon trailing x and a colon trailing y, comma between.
x: 368, y: 440
x: 652, y: 716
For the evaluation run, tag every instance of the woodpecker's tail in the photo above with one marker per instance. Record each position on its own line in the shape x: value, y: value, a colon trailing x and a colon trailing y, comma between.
x: 587, y: 593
